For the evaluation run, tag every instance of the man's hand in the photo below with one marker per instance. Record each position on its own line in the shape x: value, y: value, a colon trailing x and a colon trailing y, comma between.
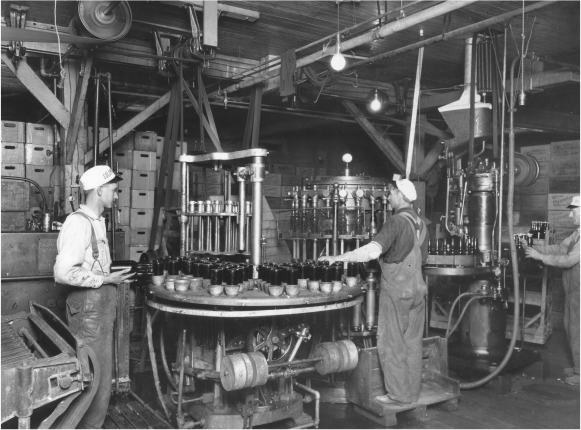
x: 330, y: 259
x: 532, y: 253
x: 118, y: 277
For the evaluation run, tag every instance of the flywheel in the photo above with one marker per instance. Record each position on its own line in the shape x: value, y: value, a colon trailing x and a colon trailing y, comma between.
x: 526, y: 170
x: 276, y: 345
x: 109, y: 20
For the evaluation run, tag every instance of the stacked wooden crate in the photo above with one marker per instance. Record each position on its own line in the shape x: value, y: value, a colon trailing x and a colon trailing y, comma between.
x: 15, y: 195
x: 27, y: 151
x: 135, y: 155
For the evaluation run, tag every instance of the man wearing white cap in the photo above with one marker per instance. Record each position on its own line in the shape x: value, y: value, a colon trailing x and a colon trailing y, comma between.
x: 84, y: 262
x: 402, y: 244
x: 566, y: 256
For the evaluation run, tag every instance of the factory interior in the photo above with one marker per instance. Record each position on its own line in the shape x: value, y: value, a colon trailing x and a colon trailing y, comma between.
x: 292, y: 214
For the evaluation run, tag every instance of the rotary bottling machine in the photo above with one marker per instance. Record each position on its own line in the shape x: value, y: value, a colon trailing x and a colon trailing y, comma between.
x: 234, y: 334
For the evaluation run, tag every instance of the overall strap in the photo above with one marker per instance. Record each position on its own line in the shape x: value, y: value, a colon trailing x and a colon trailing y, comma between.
x: 419, y: 229
x: 94, y: 245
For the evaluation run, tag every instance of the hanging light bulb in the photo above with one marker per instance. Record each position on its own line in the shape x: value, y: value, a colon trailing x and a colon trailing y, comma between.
x: 338, y: 60
x: 375, y: 104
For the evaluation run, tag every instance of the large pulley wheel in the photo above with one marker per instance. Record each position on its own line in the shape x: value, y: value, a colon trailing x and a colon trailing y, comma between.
x: 526, y: 170
x: 276, y: 345
x: 109, y: 20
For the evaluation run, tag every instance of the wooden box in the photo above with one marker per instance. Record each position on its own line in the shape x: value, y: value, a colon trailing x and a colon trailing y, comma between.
x: 13, y: 131
x: 564, y: 185
x: 15, y: 196
x: 136, y: 251
x: 143, y: 180
x: 560, y: 219
x: 124, y: 194
x: 13, y: 170
x: 540, y: 152
x: 142, y: 199
x: 565, y: 168
x: 565, y: 150
x: 39, y: 134
x: 141, y: 218
x: 140, y: 141
x: 38, y: 154
x: 40, y: 174
x: 12, y: 153
x: 139, y: 236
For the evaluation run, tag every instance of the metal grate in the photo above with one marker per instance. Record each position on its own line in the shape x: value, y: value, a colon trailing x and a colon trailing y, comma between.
x: 14, y: 350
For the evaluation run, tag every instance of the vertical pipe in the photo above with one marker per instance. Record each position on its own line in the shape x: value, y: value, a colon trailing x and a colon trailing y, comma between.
x: 472, y: 100
x: 201, y: 108
x: 180, y: 415
x: 241, y: 212
x: 184, y: 175
x: 501, y: 179
x: 114, y: 206
x: 96, y: 122
x: 259, y: 168
x: 335, y: 217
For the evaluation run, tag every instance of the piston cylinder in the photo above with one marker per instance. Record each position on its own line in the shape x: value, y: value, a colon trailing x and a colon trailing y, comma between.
x: 482, y: 214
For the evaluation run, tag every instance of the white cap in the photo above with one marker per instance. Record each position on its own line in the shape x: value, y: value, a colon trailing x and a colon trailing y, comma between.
x: 97, y: 176
x: 407, y: 188
x: 575, y: 202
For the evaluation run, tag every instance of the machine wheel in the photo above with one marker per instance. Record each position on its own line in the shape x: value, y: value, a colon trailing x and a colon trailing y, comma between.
x: 276, y: 345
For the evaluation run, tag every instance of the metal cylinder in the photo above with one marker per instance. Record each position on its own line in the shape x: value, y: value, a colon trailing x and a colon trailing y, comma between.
x: 242, y: 217
x: 258, y: 167
x: 484, y: 326
x: 482, y: 214
x: 356, y: 318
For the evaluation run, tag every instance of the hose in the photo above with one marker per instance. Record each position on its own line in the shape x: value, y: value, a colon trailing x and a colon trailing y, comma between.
x: 449, y: 333
x: 452, y: 311
x: 513, y: 257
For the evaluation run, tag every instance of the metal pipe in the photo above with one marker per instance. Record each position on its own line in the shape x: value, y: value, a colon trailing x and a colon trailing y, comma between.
x: 180, y: 415
x: 241, y: 212
x: 258, y: 167
x: 164, y: 358
x: 317, y: 403
x: 501, y: 179
x: 184, y: 174
x: 96, y: 121
x: 335, y: 217
x: 112, y: 164
x: 459, y: 33
x: 365, y: 38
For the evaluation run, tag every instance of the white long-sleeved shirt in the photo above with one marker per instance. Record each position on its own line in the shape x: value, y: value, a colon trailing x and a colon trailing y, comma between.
x: 75, y: 264
x: 557, y: 255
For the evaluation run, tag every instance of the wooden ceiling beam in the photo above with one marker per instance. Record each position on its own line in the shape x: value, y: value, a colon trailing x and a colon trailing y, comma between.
x: 78, y: 108
x: 384, y: 143
x: 39, y: 90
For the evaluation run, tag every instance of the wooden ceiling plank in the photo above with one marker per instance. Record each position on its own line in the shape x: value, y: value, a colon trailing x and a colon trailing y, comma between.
x: 39, y: 90
x: 384, y: 143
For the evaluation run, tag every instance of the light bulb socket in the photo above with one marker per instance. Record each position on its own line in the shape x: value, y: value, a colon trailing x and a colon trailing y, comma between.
x: 522, y: 98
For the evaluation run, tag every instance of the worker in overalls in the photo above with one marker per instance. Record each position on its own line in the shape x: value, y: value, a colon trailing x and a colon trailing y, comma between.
x: 402, y: 246
x: 84, y: 262
x: 566, y: 256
